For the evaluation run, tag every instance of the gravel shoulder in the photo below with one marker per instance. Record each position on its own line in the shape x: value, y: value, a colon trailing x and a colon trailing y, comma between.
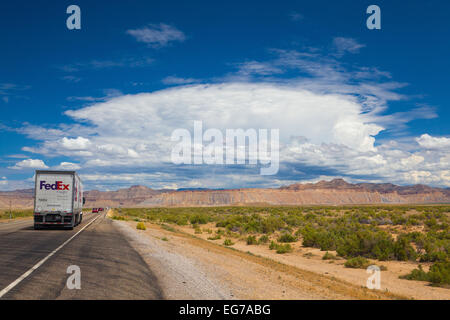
x: 189, y: 267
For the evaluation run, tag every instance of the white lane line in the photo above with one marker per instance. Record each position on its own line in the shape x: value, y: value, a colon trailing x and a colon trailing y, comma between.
x: 37, y: 265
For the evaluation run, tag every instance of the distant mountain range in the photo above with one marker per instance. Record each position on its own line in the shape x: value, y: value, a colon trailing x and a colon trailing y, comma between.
x: 334, y: 192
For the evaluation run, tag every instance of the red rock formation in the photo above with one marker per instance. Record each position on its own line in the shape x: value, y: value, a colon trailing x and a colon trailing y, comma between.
x: 334, y: 192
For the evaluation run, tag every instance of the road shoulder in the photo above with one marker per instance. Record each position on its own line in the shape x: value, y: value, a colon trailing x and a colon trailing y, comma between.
x: 190, y: 267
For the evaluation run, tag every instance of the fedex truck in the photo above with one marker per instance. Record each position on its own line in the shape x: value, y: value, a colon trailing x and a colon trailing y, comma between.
x: 58, y: 199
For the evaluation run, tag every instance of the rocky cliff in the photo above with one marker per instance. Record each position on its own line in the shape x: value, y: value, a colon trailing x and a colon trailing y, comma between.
x: 334, y: 192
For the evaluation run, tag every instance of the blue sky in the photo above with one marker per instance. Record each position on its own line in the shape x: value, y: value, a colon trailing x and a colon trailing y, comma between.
x: 365, y: 105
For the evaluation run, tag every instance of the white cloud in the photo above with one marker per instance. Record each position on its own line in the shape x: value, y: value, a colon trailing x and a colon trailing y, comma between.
x: 344, y: 45
x: 79, y: 143
x: 133, y: 131
x: 130, y: 62
x: 257, y: 68
x: 107, y: 94
x: 8, y: 90
x: 173, y: 80
x: 430, y: 142
x: 329, y: 119
x: 30, y: 163
x: 67, y: 166
x: 412, y: 161
x: 157, y: 35
x: 150, y: 116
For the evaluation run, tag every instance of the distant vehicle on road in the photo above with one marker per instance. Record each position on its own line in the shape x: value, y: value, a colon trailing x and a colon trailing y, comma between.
x: 58, y: 199
x: 100, y: 209
x: 94, y: 210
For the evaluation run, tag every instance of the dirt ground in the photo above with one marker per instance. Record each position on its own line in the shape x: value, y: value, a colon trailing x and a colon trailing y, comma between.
x: 310, y: 259
x: 190, y: 267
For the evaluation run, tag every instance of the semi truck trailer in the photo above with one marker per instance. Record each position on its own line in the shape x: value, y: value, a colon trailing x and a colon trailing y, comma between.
x: 58, y: 199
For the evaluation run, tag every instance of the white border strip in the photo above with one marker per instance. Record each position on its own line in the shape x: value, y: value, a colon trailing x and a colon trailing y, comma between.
x: 37, y: 265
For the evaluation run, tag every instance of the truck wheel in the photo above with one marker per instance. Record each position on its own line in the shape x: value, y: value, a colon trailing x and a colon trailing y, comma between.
x: 36, y: 227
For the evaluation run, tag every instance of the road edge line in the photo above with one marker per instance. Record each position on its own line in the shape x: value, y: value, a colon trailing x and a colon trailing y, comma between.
x: 37, y: 265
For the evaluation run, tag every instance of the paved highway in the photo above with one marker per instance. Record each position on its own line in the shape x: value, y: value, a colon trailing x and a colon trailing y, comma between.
x: 110, y: 267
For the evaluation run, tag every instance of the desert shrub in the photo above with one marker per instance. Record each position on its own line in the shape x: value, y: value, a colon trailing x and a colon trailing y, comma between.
x: 272, y: 245
x: 357, y: 262
x: 367, y: 243
x: 228, y: 242
x: 287, y: 237
x: 416, y: 274
x: 197, y: 230
x: 271, y: 224
x: 263, y: 239
x: 16, y: 213
x: 118, y: 218
x: 198, y: 219
x: 436, y: 249
x: 216, y: 237
x: 403, y: 250
x: 283, y: 248
x: 329, y: 256
x: 231, y: 222
x: 412, y: 221
x: 439, y: 274
x: 140, y: 226
x: 280, y: 248
x: 294, y: 220
x: 251, y: 240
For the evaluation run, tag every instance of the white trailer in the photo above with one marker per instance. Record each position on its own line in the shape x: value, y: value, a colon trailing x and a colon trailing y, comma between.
x: 58, y: 199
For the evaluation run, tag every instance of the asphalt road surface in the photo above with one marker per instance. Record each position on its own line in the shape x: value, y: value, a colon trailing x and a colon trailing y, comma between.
x: 110, y: 267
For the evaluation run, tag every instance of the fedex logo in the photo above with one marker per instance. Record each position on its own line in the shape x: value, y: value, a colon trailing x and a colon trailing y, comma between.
x: 58, y: 185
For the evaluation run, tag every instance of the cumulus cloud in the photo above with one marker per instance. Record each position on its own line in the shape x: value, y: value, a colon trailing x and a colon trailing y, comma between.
x: 150, y: 116
x: 30, y: 163
x: 430, y: 142
x: 329, y: 116
x: 79, y: 143
x: 157, y: 35
x: 67, y: 166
